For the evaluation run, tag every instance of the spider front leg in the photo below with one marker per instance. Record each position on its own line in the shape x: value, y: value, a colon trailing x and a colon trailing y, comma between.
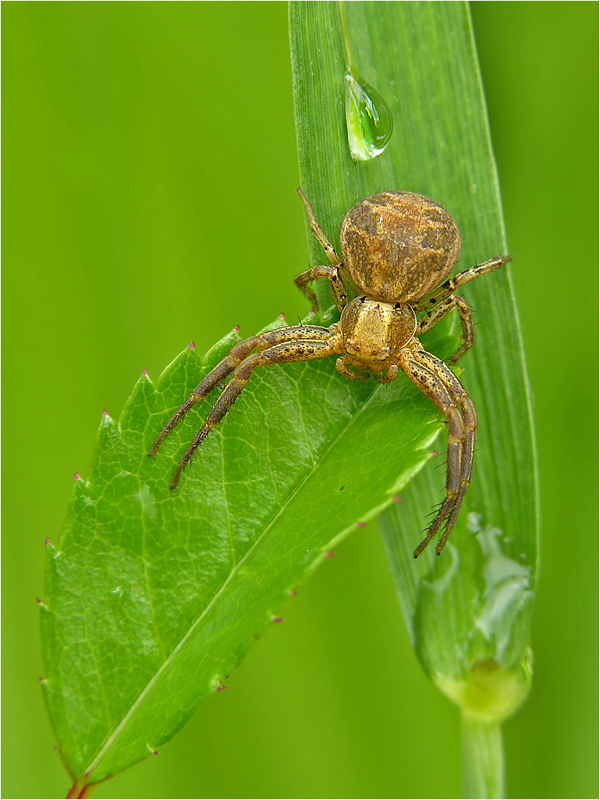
x: 338, y: 288
x: 437, y: 314
x: 236, y: 355
x: 452, y: 284
x: 295, y: 349
x: 436, y: 380
x: 352, y: 374
x: 333, y: 273
x: 443, y: 300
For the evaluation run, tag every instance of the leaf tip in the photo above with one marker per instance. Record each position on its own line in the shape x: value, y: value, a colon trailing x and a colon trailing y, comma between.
x: 53, y: 550
x: 192, y: 345
x: 107, y: 421
x: 151, y: 750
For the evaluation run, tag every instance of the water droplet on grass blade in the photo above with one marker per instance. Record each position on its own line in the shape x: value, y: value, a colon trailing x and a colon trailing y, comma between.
x: 368, y: 118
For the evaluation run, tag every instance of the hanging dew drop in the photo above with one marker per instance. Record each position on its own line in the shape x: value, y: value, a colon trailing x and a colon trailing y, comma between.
x: 368, y: 118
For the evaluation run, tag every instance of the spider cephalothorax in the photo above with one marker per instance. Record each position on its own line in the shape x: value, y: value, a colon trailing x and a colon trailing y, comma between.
x: 397, y: 247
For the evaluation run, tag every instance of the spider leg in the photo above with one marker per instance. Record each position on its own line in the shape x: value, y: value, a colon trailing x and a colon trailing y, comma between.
x: 388, y: 376
x: 439, y: 311
x: 318, y: 232
x: 470, y: 421
x: 451, y: 285
x: 436, y: 380
x: 338, y: 288
x: 280, y: 353
x: 354, y: 375
x: 236, y: 355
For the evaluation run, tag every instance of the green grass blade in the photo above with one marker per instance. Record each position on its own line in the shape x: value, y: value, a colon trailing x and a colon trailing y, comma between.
x: 469, y: 611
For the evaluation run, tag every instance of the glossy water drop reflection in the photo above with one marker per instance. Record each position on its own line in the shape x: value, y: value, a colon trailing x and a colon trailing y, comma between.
x: 368, y: 118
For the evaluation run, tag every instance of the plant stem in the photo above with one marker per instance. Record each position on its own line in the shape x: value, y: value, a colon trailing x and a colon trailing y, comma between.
x: 483, y: 757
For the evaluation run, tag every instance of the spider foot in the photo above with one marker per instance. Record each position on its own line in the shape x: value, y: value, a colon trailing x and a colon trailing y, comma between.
x: 445, y: 517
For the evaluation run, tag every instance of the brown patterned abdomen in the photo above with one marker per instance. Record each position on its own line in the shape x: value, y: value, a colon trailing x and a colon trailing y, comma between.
x: 398, y: 246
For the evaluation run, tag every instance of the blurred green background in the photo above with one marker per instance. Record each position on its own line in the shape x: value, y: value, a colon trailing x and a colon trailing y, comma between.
x: 149, y: 177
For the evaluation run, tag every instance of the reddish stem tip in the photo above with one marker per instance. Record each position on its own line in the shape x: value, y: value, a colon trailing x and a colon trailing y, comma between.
x: 313, y: 311
x: 191, y: 345
x: 282, y: 315
x: 47, y: 541
x: 144, y: 373
x: 277, y: 619
x: 76, y: 476
x: 38, y: 601
x: 221, y: 687
x: 293, y: 593
x: 330, y: 554
x: 361, y: 524
x: 397, y: 499
x: 236, y: 329
x: 435, y: 453
x: 104, y: 412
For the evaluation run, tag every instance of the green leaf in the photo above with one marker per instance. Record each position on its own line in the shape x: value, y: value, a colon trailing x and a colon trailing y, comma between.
x: 154, y: 596
x: 469, y: 611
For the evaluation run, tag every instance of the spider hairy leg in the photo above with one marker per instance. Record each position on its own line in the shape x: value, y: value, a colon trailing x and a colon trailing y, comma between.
x: 299, y: 350
x: 437, y: 381
x: 236, y: 356
x: 318, y: 232
x: 440, y: 310
x: 338, y: 289
x: 452, y: 284
x: 352, y: 374
x: 470, y: 422
x: 388, y: 376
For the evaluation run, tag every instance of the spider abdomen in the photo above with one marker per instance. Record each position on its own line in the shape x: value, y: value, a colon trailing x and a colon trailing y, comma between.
x: 399, y: 245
